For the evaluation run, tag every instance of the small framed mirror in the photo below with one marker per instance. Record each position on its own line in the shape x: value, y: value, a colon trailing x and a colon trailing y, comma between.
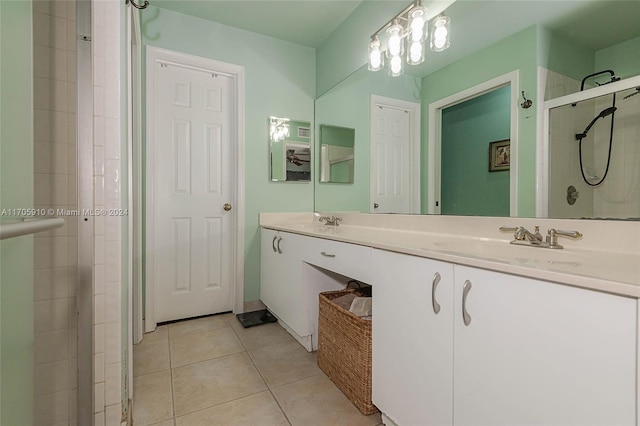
x: 336, y: 154
x: 290, y: 150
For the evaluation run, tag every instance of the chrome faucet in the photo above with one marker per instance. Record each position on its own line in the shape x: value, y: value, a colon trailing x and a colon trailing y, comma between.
x: 520, y: 233
x: 521, y: 236
x: 330, y: 220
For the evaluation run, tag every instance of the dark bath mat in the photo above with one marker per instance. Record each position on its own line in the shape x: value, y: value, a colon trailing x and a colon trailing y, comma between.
x: 249, y: 319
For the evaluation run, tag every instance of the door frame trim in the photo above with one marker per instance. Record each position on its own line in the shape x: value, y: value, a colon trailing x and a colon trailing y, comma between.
x: 435, y: 136
x: 236, y: 72
x: 414, y: 147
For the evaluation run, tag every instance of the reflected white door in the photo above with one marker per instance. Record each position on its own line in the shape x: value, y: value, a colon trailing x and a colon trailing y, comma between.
x: 394, y: 155
x: 193, y: 183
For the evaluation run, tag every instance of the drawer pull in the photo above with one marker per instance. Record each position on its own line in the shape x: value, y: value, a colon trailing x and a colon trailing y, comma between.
x: 466, y: 318
x: 434, y: 285
x: 325, y: 254
x: 279, y: 249
x: 273, y: 243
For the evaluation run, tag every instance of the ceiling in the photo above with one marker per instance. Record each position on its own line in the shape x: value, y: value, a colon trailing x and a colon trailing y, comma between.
x: 475, y: 24
x: 305, y: 22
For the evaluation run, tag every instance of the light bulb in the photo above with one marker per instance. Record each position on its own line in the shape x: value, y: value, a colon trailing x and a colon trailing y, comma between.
x: 395, y: 66
x: 415, y: 53
x: 417, y: 23
x: 440, y: 34
x: 375, y: 55
x: 395, y: 45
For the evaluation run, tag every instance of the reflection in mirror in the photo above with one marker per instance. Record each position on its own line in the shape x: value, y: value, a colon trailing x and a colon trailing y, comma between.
x: 594, y: 156
x: 551, y: 45
x: 290, y: 150
x: 336, y: 154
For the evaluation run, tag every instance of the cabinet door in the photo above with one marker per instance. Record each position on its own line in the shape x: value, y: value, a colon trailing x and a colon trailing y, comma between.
x: 280, y: 266
x: 412, y: 346
x: 540, y: 353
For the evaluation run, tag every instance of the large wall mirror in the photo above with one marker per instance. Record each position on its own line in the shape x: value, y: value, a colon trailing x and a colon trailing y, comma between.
x: 552, y: 45
x: 290, y: 150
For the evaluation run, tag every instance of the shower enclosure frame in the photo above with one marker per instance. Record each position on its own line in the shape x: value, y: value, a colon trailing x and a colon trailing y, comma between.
x: 85, y: 194
x: 542, y: 169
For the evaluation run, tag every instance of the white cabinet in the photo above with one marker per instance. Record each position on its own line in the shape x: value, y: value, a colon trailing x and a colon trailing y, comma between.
x: 280, y: 277
x: 538, y: 353
x: 294, y: 270
x: 412, y: 339
x: 533, y: 352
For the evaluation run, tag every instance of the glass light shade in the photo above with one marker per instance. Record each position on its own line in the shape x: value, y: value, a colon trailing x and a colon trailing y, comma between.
x: 415, y: 53
x: 376, y: 58
x: 395, y: 66
x: 440, y: 34
x: 395, y: 45
x: 418, y: 23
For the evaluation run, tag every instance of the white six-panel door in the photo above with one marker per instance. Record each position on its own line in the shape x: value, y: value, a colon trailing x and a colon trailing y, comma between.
x: 193, y: 182
x: 394, y: 156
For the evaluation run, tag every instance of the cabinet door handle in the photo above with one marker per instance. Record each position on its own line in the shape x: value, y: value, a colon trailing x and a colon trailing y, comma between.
x: 434, y: 285
x: 325, y: 254
x: 279, y: 249
x: 466, y: 318
x: 273, y: 243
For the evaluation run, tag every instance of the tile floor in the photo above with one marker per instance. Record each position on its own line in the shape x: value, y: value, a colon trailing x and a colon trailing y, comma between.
x: 212, y: 371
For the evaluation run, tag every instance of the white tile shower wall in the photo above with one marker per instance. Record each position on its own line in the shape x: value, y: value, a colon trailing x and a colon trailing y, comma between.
x: 564, y: 165
x: 55, y: 351
x: 619, y: 194
x: 107, y: 169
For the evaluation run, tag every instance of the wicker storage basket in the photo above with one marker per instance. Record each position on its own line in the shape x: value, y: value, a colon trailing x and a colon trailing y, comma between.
x: 344, y: 350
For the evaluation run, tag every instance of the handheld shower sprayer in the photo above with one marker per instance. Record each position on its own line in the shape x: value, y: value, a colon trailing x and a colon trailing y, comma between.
x: 605, y: 112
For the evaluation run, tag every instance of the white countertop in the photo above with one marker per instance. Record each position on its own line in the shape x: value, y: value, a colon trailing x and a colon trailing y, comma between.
x: 607, y: 266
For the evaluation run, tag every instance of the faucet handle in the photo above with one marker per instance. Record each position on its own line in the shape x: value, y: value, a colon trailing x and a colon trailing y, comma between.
x: 508, y: 228
x: 552, y: 236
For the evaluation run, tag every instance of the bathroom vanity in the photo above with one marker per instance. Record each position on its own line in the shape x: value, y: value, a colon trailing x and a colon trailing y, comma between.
x: 467, y: 328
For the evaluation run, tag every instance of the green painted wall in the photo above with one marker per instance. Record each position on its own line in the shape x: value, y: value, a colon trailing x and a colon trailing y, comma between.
x: 560, y: 55
x: 16, y: 191
x: 280, y: 80
x: 517, y: 52
x: 348, y: 105
x: 338, y: 136
x: 468, y: 188
x: 623, y: 58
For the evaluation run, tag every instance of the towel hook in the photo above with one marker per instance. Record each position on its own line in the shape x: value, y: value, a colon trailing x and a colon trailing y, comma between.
x: 144, y: 6
x: 527, y: 102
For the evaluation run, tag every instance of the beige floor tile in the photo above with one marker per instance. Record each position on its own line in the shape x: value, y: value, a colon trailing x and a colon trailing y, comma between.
x: 212, y: 382
x: 262, y: 335
x: 316, y: 401
x: 259, y: 409
x: 197, y: 325
x: 150, y: 356
x: 201, y: 346
x: 153, y: 402
x: 167, y: 423
x: 160, y: 333
x: 285, y: 363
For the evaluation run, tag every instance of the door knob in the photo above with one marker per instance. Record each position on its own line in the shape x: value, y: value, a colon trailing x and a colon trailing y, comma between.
x: 226, y: 207
x: 376, y: 205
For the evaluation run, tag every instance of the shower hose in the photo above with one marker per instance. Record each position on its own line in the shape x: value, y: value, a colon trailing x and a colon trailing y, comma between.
x: 584, y: 177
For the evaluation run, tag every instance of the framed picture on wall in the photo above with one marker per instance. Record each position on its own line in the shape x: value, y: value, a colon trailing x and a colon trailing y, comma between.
x: 499, y: 155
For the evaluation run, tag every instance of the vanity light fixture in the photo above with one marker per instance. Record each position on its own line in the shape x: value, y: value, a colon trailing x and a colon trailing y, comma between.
x: 409, y: 27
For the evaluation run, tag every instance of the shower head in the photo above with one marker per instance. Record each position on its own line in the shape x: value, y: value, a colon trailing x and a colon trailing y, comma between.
x: 605, y: 112
x: 633, y: 94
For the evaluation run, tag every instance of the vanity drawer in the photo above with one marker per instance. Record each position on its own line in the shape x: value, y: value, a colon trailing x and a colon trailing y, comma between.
x: 350, y: 260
